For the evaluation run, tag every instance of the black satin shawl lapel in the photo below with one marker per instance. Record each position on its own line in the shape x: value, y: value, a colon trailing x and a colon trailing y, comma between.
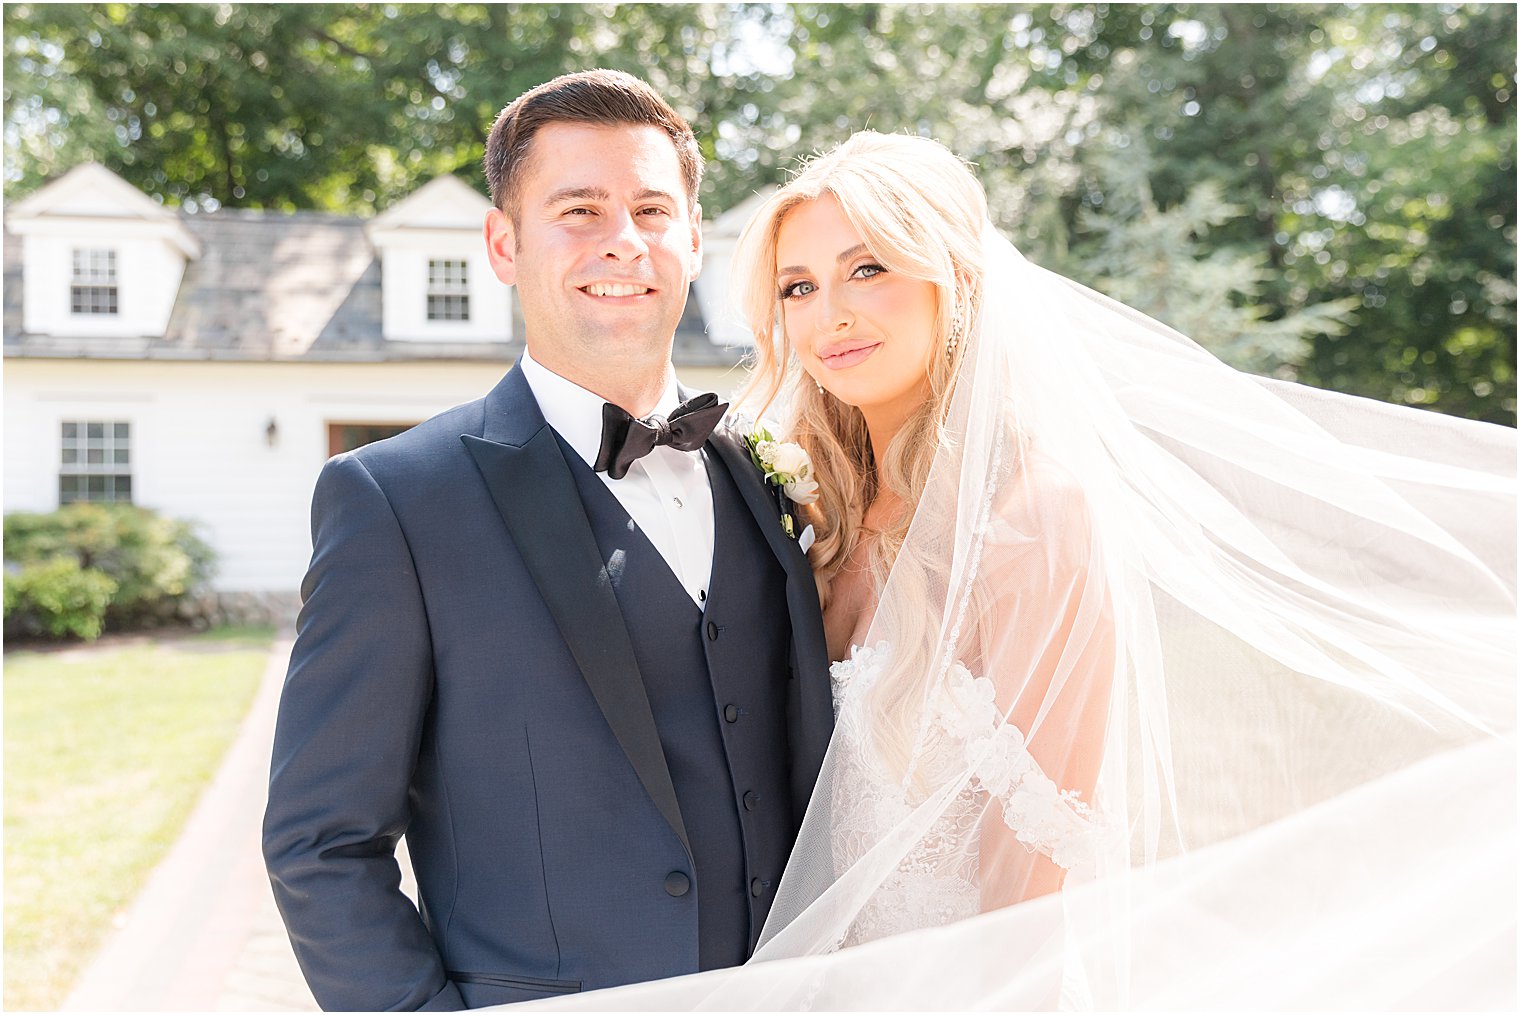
x: 817, y: 702
x: 761, y: 501
x: 554, y: 537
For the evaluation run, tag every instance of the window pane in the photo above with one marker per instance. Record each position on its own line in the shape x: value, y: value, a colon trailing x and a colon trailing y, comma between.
x: 92, y: 299
x: 95, y: 457
x: 97, y: 265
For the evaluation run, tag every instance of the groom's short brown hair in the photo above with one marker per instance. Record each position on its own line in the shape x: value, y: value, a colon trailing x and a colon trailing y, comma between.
x: 600, y: 97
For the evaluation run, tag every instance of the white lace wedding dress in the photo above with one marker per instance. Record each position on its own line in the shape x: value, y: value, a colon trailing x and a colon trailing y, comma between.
x: 964, y: 741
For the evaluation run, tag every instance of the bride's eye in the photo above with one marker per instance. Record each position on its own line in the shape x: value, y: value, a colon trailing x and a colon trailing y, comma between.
x: 869, y: 271
x: 801, y: 287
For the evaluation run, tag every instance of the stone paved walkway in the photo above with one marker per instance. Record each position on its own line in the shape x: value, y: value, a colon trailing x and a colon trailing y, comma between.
x: 204, y: 935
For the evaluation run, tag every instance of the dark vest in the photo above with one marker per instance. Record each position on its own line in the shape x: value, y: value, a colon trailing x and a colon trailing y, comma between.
x: 717, y: 685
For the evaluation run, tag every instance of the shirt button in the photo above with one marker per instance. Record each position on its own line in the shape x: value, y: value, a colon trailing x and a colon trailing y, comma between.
x: 751, y: 800
x: 757, y: 887
x: 678, y: 503
x: 678, y: 884
x: 712, y: 631
x: 731, y: 713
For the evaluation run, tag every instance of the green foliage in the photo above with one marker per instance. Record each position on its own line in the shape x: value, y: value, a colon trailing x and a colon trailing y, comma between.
x: 1366, y: 153
x: 150, y: 562
x: 1155, y: 261
x: 60, y: 597
x: 1374, y: 147
x: 333, y: 106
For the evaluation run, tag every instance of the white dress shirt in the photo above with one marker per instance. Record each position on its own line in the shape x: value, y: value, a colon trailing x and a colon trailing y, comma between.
x: 666, y: 492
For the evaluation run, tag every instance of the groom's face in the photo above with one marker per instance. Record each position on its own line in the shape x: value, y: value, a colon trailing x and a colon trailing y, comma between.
x: 603, y: 247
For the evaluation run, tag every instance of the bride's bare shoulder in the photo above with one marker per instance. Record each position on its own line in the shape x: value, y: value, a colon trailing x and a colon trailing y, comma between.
x: 1040, y: 501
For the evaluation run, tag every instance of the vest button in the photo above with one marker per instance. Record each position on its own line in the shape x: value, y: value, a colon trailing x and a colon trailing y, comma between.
x: 731, y: 713
x: 677, y: 884
x: 751, y: 800
x: 712, y: 631
x: 757, y: 887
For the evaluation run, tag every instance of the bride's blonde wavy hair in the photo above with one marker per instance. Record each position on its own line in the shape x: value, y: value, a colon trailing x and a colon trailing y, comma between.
x: 919, y: 211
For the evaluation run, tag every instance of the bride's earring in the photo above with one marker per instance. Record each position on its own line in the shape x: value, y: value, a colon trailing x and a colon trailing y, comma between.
x: 818, y: 384
x: 954, y: 338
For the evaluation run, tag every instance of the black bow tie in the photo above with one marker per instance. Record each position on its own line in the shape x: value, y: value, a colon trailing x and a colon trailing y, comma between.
x: 625, y: 440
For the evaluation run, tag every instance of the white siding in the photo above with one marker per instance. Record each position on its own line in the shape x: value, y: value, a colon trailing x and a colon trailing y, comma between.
x: 725, y: 325
x: 199, y: 444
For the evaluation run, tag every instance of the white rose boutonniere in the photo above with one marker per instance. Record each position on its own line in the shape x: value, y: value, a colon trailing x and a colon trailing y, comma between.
x: 787, y: 466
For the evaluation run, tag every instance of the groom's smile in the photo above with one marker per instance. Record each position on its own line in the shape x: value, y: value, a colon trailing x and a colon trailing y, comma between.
x: 619, y: 293
x: 605, y: 290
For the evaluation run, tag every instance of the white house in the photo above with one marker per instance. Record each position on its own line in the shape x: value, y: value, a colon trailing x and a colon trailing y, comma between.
x: 206, y: 365
x: 719, y: 238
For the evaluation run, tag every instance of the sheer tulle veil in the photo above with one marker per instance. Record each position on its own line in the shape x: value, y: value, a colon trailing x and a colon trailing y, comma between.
x: 1260, y: 637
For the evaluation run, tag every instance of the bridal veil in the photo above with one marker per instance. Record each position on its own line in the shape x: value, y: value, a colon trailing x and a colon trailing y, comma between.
x: 1258, y: 641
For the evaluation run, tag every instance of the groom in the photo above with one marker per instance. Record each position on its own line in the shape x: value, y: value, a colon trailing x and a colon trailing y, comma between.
x: 571, y: 655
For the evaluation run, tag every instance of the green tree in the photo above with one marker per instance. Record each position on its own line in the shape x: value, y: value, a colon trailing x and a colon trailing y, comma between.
x: 1373, y: 149
x: 339, y: 107
x: 1368, y: 150
x: 1158, y: 263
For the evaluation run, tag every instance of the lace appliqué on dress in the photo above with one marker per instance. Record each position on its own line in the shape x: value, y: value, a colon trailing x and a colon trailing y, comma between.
x: 937, y: 882
x: 1044, y: 817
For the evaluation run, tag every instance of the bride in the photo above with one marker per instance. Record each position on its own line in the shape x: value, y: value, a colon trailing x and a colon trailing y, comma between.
x: 878, y: 318
x: 1157, y: 684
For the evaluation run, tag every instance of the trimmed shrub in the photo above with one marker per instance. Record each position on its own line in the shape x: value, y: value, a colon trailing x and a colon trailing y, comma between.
x: 154, y: 563
x: 58, y: 598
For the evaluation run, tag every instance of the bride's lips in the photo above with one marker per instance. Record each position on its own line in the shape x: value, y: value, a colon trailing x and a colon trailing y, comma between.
x: 846, y: 354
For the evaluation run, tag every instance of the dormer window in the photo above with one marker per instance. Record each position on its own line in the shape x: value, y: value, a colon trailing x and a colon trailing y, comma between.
x: 92, y: 283
x: 436, y: 282
x: 448, y: 292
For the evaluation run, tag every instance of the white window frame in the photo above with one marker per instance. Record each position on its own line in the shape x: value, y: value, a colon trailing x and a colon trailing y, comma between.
x: 93, y: 283
x: 449, y: 285
x: 97, y: 466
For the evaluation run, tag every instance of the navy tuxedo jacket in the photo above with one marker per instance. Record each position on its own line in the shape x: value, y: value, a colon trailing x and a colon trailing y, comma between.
x: 463, y: 676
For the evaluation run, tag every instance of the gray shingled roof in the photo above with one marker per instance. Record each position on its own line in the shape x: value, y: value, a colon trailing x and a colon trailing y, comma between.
x: 301, y: 286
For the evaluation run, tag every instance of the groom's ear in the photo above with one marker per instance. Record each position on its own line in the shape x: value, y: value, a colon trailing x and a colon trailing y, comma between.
x: 501, y: 245
x: 696, y: 243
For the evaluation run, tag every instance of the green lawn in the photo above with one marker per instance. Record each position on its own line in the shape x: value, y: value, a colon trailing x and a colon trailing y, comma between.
x: 107, y: 748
